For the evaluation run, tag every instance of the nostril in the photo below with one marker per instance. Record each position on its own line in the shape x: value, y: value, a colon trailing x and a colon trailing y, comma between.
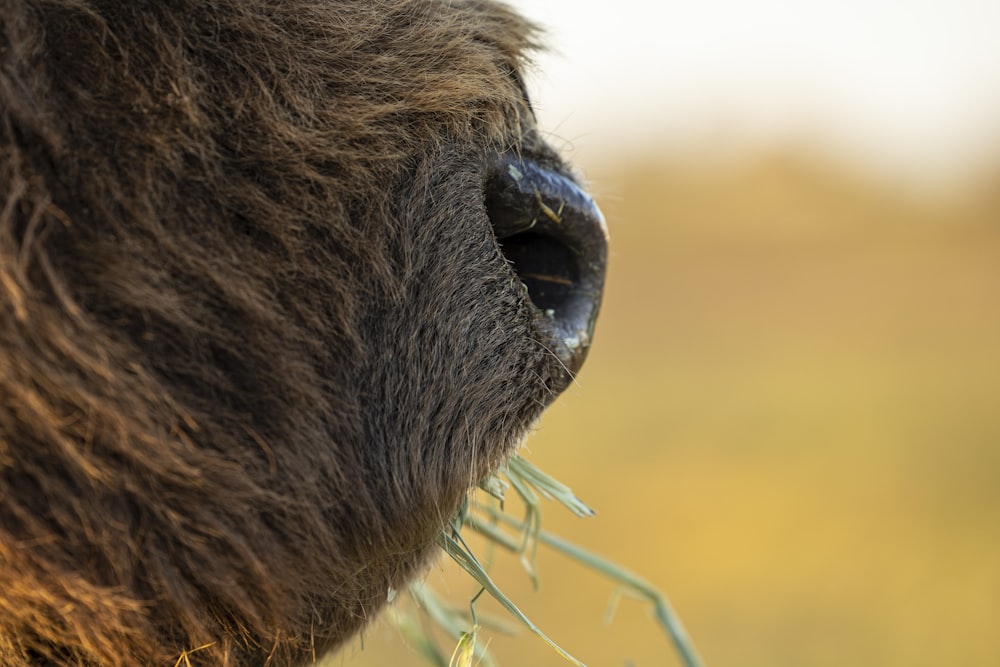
x: 546, y: 266
x: 555, y: 238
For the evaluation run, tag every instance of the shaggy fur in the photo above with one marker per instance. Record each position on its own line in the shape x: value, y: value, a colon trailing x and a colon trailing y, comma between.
x: 256, y: 336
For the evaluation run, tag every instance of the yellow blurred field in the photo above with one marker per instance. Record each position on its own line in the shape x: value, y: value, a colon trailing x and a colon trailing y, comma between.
x: 790, y: 422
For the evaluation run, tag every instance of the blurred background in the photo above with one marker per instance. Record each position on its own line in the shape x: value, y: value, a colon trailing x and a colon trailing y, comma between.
x: 790, y: 419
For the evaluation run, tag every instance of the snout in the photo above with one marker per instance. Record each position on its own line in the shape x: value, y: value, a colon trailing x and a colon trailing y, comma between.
x: 556, y: 240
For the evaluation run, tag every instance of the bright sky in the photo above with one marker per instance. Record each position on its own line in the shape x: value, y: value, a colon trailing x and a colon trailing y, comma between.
x: 911, y: 87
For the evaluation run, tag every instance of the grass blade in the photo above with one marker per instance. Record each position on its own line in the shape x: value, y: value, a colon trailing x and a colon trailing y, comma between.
x: 635, y: 584
x: 454, y: 547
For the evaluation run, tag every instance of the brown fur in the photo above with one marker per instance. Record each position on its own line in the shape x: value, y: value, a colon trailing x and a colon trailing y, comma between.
x: 256, y: 337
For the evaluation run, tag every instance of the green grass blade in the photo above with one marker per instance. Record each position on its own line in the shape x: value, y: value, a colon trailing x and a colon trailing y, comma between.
x: 461, y: 555
x: 666, y: 616
x: 547, y: 486
x: 417, y: 637
x: 449, y: 619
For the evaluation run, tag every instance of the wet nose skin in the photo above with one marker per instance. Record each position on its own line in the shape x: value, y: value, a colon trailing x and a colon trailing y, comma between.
x: 555, y: 237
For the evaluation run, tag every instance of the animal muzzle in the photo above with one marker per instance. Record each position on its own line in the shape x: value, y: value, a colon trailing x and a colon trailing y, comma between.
x: 556, y: 240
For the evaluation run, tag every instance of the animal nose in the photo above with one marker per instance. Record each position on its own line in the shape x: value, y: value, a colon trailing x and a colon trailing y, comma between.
x: 555, y: 237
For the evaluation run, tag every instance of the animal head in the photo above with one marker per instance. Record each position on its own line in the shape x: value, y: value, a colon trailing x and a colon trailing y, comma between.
x: 279, y: 282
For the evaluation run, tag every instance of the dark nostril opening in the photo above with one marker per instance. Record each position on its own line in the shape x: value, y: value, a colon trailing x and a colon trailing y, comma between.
x: 546, y: 266
x: 555, y: 238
